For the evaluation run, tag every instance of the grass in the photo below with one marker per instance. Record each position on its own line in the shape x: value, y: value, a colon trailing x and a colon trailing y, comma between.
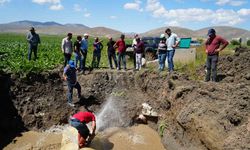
x: 14, y: 53
x: 162, y: 126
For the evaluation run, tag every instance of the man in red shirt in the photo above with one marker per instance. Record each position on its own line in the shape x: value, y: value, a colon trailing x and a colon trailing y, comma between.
x: 120, y: 44
x: 79, y: 121
x: 214, y: 45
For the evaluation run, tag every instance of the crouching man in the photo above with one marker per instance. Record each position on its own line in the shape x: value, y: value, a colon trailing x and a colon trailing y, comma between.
x: 80, y: 121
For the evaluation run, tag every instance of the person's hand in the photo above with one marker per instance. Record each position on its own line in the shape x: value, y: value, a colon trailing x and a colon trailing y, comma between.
x: 174, y: 46
x: 217, y: 50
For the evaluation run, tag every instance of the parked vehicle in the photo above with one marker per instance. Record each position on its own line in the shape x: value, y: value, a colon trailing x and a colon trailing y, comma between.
x: 195, y: 43
x: 151, y: 45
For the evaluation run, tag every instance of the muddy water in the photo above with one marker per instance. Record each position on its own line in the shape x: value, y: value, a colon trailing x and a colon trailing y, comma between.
x: 134, y: 138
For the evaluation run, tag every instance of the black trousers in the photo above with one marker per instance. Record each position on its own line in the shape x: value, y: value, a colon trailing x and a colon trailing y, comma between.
x: 66, y: 58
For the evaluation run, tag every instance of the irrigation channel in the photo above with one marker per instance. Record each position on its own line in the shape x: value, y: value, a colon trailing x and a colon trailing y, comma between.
x: 109, y: 136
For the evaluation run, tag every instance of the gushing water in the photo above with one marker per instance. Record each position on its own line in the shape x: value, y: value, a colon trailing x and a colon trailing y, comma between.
x: 110, y: 115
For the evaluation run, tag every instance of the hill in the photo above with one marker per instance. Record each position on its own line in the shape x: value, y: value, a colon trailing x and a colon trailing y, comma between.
x: 54, y: 28
x: 226, y: 31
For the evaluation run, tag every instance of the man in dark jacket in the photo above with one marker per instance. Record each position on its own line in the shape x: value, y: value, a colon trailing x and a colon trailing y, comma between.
x: 33, y: 39
x: 139, y: 50
x: 111, y: 53
x: 69, y: 75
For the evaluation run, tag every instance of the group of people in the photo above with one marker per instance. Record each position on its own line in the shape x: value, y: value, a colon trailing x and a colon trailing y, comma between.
x: 80, y: 50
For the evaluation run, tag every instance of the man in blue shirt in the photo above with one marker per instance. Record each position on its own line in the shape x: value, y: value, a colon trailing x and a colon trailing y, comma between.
x: 172, y: 42
x: 33, y: 39
x: 84, y: 50
x: 69, y: 75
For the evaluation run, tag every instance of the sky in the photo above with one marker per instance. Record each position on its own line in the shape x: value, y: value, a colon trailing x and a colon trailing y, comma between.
x: 131, y: 15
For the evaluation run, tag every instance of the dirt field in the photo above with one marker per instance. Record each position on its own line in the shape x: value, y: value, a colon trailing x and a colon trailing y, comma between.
x: 196, y: 114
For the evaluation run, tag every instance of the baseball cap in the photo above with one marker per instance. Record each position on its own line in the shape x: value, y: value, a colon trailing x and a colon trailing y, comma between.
x: 85, y: 34
x: 32, y: 29
x: 210, y: 32
x: 162, y: 36
x: 71, y: 63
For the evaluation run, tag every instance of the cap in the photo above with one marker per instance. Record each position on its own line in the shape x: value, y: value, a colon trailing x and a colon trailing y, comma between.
x: 32, y: 29
x: 85, y: 34
x: 71, y: 63
x: 210, y: 32
x: 162, y: 36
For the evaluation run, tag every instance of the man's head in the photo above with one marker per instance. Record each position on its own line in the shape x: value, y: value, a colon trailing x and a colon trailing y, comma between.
x: 122, y: 36
x: 211, y: 32
x: 86, y: 36
x: 69, y: 35
x: 96, y: 39
x: 32, y: 30
x: 163, y: 38
x: 136, y: 35
x: 79, y: 38
x: 138, y: 39
x: 71, y: 63
x: 168, y: 31
x: 110, y: 38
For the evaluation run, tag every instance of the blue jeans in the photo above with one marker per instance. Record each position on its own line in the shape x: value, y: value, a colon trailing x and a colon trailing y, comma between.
x: 170, y: 56
x: 122, y: 57
x: 70, y: 91
x: 78, y: 58
x: 162, y: 58
x: 211, y: 65
x: 81, y: 127
x: 32, y: 48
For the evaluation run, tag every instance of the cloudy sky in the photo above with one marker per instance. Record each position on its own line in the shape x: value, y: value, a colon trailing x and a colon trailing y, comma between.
x: 131, y: 15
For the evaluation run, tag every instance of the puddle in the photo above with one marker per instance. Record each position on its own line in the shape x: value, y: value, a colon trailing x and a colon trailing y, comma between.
x: 139, y: 137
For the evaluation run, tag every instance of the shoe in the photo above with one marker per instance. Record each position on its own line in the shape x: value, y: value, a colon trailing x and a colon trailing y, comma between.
x: 72, y: 105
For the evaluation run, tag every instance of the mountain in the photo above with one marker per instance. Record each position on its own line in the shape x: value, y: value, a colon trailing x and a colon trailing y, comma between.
x: 181, y: 32
x: 79, y: 29
x: 54, y: 28
x: 225, y: 31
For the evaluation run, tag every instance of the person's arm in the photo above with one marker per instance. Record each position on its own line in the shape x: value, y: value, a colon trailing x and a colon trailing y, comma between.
x: 64, y: 73
x: 28, y: 37
x: 101, y: 46
x: 115, y: 45
x: 177, y: 41
x: 224, y: 45
x: 63, y: 46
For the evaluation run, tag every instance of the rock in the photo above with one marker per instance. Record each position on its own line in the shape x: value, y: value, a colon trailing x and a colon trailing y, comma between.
x: 247, y: 76
x: 181, y: 90
x: 229, y: 58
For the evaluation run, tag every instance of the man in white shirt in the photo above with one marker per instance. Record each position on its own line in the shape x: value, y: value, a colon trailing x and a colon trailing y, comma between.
x: 84, y: 50
x: 67, y: 48
x: 172, y: 42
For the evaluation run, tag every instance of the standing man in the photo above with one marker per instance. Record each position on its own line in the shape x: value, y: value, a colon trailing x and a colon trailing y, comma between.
x: 134, y: 43
x: 172, y: 42
x: 120, y: 44
x: 139, y: 50
x: 33, y: 40
x: 77, y: 52
x: 111, y: 53
x: 97, y: 53
x: 67, y: 48
x: 214, y: 45
x: 84, y: 50
x: 69, y: 75
x: 79, y: 121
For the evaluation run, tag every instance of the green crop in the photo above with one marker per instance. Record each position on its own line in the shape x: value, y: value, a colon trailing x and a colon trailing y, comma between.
x: 14, y: 53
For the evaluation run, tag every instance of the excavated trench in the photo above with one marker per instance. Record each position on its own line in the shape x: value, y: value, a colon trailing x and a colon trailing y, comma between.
x: 193, y: 115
